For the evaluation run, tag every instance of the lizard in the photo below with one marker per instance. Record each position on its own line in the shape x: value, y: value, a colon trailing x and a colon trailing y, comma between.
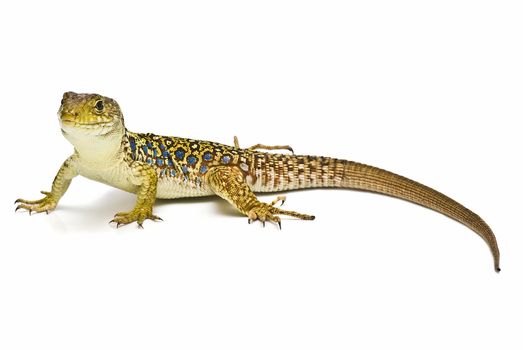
x: 153, y: 166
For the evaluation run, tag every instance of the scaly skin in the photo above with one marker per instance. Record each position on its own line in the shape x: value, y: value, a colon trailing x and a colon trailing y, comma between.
x: 155, y: 166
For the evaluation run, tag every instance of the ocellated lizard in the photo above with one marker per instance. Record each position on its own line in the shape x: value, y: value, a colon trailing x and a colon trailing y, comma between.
x: 155, y: 166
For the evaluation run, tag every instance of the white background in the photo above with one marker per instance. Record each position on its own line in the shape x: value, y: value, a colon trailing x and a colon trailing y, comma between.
x: 431, y: 91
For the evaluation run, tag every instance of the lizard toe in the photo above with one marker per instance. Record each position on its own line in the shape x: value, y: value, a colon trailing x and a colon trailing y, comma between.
x: 45, y: 204
x: 138, y: 215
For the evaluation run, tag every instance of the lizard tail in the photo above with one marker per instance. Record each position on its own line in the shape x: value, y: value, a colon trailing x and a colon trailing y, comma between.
x: 293, y: 172
x: 369, y: 178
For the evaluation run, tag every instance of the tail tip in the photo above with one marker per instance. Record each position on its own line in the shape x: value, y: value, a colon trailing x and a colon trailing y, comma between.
x: 497, y: 269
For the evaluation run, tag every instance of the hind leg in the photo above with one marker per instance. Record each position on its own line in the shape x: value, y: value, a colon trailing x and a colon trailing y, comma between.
x: 228, y: 183
x: 265, y: 147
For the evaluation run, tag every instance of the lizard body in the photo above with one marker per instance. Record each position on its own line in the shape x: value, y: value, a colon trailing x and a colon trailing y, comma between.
x: 154, y: 166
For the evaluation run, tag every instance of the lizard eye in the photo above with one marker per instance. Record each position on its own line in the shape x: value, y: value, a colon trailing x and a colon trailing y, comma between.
x: 99, y: 105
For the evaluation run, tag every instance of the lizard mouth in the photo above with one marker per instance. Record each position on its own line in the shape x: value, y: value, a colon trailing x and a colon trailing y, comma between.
x: 74, y: 127
x: 69, y: 122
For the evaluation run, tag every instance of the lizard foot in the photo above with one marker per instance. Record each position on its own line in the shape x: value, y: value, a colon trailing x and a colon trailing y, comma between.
x: 265, y: 147
x: 47, y: 204
x: 138, y: 215
x: 268, y: 212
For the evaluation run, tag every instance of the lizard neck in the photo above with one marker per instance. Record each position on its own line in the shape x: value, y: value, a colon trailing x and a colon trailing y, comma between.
x: 98, y: 149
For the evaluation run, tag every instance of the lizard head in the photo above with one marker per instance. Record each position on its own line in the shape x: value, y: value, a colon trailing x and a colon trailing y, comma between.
x: 90, y: 115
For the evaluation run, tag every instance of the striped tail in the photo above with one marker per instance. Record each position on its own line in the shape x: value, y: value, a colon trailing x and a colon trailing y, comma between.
x: 284, y: 172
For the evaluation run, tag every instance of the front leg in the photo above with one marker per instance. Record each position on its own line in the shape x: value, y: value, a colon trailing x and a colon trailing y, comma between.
x: 146, y: 179
x: 61, y: 183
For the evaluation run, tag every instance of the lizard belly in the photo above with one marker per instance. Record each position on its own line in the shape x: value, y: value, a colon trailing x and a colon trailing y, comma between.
x: 119, y: 175
x: 116, y: 175
x: 173, y: 187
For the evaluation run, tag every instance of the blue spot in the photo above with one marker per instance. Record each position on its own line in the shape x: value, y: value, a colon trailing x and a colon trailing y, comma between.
x: 184, y: 169
x: 170, y: 162
x: 179, y: 154
x: 162, y: 147
x: 162, y: 173
x: 173, y: 172
x: 207, y: 156
x: 132, y: 142
x: 191, y: 160
x: 150, y: 145
x: 154, y: 152
x: 144, y: 148
x: 149, y: 161
x: 165, y: 153
x: 159, y: 161
x: 226, y: 159
x: 203, y: 169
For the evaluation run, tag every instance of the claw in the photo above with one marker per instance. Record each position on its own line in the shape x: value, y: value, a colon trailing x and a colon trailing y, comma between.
x: 277, y: 220
x: 249, y: 221
x: 156, y: 218
x: 118, y: 224
x: 278, y: 199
